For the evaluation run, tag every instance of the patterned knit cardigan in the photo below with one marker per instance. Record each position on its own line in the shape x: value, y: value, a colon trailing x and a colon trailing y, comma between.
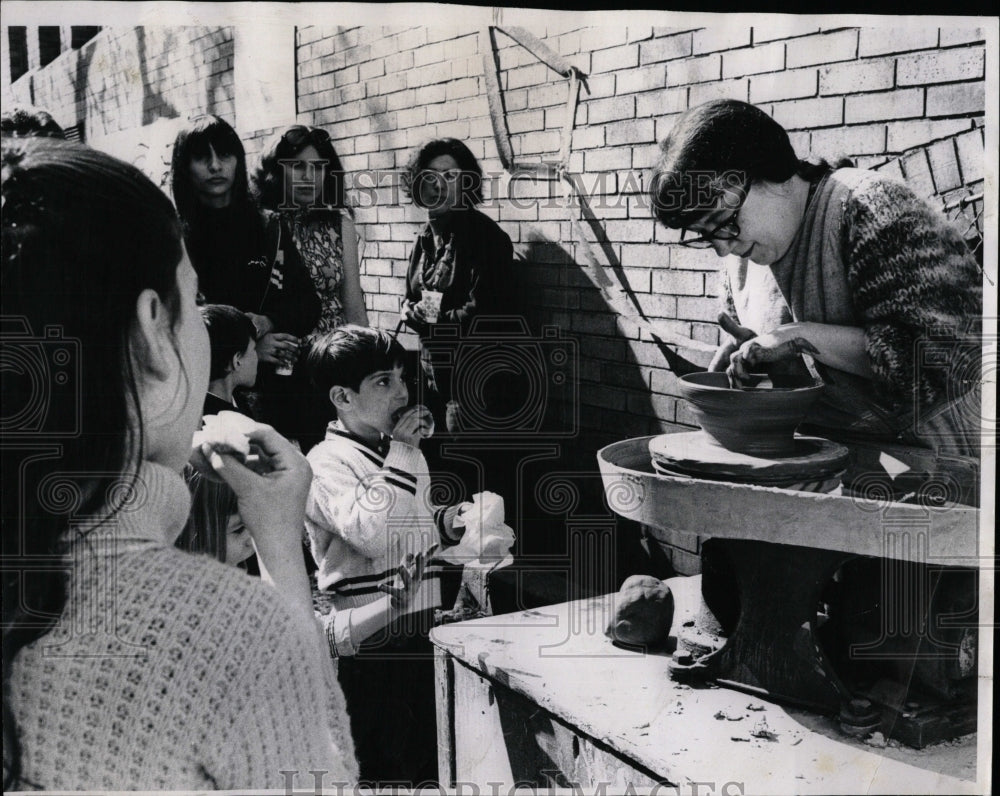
x: 171, y: 671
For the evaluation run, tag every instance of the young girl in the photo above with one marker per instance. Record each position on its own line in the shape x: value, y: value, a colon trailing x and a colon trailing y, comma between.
x: 128, y: 663
x: 243, y: 257
x: 301, y: 178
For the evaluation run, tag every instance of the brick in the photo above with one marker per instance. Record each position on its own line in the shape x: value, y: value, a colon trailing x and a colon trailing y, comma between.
x: 822, y: 49
x: 697, y: 309
x: 944, y: 166
x: 588, y: 137
x: 460, y: 89
x: 665, y: 49
x: 537, y: 143
x: 601, y: 87
x: 900, y: 104
x: 662, y: 406
x: 885, y: 40
x: 641, y: 79
x: 425, y: 75
x: 637, y: 279
x: 970, y: 155
x: 960, y: 98
x: 658, y: 103
x: 682, y: 257
x: 873, y: 74
x: 607, y: 110
x: 940, y: 66
x: 637, y: 131
x: 917, y: 172
x: 625, y: 376
x: 784, y: 85
x: 857, y: 140
x: 540, y: 96
x: 679, y: 283
x: 399, y: 61
x: 523, y: 76
x: 725, y: 89
x: 809, y: 113
x: 598, y: 38
x: 629, y: 231
x: 525, y: 120
x: 694, y: 70
x: 754, y: 60
x: 720, y: 37
x: 664, y: 381
x: 906, y: 135
x: 371, y: 69
x: 953, y: 36
x: 624, y: 57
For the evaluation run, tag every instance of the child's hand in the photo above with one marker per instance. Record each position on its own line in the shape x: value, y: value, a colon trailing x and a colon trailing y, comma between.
x: 409, y: 576
x: 414, y: 424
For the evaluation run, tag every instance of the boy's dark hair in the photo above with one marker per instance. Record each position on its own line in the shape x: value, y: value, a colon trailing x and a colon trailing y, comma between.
x: 348, y: 355
x: 230, y: 332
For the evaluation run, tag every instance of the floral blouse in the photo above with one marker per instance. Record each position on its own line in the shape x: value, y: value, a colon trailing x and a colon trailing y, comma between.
x: 321, y: 247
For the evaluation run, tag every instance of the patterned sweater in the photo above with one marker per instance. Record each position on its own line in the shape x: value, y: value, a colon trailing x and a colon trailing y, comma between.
x: 368, y: 508
x: 171, y: 671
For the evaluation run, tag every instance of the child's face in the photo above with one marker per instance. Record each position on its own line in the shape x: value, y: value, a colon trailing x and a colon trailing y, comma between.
x: 247, y: 374
x: 378, y: 397
x: 239, y: 545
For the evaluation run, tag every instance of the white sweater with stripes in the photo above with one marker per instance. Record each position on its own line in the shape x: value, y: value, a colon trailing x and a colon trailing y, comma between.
x: 368, y: 508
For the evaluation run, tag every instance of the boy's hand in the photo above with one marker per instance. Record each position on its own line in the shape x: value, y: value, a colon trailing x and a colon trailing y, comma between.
x: 415, y: 424
x: 409, y: 577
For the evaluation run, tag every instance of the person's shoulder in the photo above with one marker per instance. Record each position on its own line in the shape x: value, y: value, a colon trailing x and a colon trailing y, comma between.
x: 482, y: 222
x: 868, y: 185
x: 194, y: 591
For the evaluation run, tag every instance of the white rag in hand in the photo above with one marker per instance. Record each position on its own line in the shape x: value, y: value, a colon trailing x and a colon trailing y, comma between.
x: 487, y: 539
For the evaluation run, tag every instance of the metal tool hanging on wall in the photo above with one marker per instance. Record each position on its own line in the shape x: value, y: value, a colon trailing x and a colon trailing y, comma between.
x: 617, y: 295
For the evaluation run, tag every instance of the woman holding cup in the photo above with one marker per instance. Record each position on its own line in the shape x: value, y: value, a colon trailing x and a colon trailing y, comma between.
x: 245, y: 257
x: 460, y: 266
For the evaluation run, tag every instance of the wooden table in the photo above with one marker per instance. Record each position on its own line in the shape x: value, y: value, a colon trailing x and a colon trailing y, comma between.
x: 543, y: 697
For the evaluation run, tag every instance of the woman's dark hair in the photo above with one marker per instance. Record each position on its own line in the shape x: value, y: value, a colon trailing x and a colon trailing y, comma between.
x: 230, y: 332
x: 194, y: 141
x: 472, y: 174
x: 718, y: 145
x: 349, y: 354
x: 84, y: 235
x: 24, y: 121
x: 269, y: 178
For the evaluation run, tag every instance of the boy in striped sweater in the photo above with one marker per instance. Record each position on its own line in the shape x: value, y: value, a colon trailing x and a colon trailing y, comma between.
x: 368, y: 509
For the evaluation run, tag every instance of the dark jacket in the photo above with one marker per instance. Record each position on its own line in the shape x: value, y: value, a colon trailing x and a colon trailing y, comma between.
x: 482, y: 284
x: 249, y: 260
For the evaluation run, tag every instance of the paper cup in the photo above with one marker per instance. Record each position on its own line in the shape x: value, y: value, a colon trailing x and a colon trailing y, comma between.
x: 431, y: 303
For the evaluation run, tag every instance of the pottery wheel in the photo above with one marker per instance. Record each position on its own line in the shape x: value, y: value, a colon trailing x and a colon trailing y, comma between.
x: 696, y: 454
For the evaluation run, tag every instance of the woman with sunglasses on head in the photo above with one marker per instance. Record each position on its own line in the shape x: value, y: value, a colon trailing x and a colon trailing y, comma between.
x: 843, y: 264
x: 244, y: 257
x: 300, y: 177
x: 462, y: 261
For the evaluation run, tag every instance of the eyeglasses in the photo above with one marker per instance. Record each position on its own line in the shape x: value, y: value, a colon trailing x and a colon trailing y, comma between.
x: 727, y: 230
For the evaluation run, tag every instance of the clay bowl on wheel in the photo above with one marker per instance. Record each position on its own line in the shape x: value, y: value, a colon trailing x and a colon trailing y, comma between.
x: 760, y: 420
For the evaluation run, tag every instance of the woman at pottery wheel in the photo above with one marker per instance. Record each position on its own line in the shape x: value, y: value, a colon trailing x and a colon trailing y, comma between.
x: 842, y: 264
